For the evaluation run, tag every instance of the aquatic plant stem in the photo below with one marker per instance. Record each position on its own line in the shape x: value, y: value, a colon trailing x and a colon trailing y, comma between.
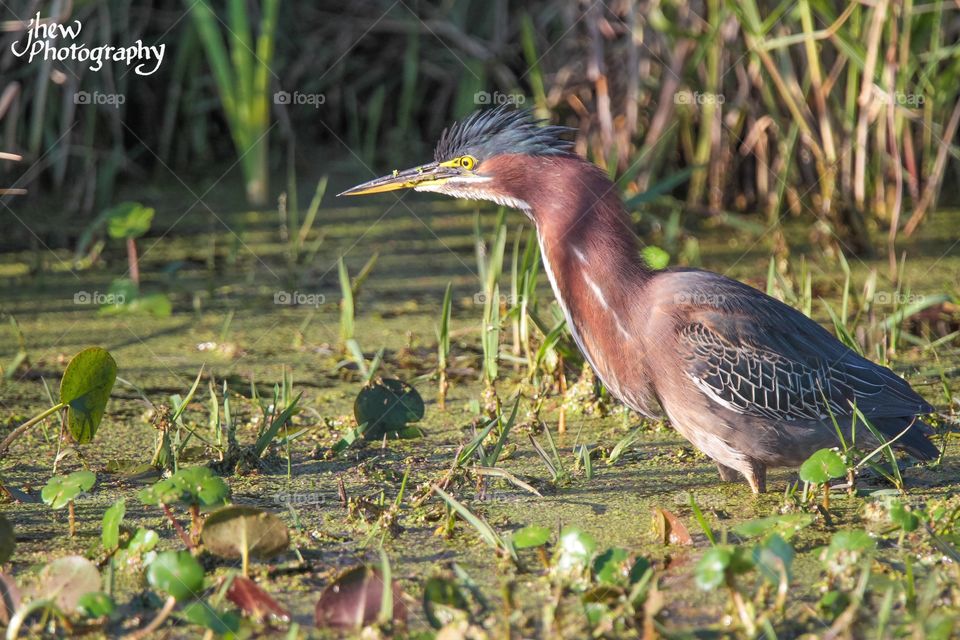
x: 16, y: 433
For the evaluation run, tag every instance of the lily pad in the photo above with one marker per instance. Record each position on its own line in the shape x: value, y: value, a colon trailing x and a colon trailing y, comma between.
x: 85, y: 389
x: 822, y: 466
x: 531, y: 536
x: 229, y: 531
x: 784, y: 525
x: 176, y: 573
x: 133, y: 551
x: 354, y: 600
x: 203, y: 614
x: 66, y: 581
x: 773, y: 559
x: 129, y: 220
x: 612, y: 567
x: 717, y: 563
x: 96, y: 604
x: 385, y: 406
x: 575, y: 548
x: 8, y: 541
x: 62, y: 490
x: 901, y: 516
x: 190, y: 485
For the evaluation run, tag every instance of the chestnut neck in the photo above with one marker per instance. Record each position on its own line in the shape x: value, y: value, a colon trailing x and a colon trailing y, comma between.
x: 579, y: 216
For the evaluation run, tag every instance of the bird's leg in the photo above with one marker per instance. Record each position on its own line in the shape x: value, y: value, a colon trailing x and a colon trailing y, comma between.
x: 728, y: 474
x: 757, y: 477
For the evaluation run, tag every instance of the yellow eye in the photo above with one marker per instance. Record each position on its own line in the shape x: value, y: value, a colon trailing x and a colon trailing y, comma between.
x: 468, y: 162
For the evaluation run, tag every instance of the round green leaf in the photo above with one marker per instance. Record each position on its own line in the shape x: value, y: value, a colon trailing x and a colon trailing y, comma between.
x: 190, y: 485
x: 202, y: 486
x: 8, y: 541
x: 85, y: 389
x: 385, y: 406
x: 226, y: 532
x: 129, y: 220
x: 62, y: 490
x: 112, y: 518
x: 855, y: 540
x: 711, y: 570
x: 575, y: 548
x: 176, y: 573
x: 822, y: 466
x: 612, y: 567
x: 902, y: 517
x: 531, y: 536
x: 785, y: 525
x: 96, y: 604
x: 203, y: 614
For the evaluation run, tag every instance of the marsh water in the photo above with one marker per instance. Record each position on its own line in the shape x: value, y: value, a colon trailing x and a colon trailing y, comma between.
x: 229, y: 278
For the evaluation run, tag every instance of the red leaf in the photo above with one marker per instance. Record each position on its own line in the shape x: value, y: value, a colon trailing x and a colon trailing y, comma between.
x: 254, y: 601
x: 353, y: 600
x: 670, y: 530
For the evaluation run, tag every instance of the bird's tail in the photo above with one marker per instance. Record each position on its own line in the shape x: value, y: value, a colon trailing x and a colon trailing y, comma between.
x: 916, y: 441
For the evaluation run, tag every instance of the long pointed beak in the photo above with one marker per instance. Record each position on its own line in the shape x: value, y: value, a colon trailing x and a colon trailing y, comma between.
x: 428, y: 174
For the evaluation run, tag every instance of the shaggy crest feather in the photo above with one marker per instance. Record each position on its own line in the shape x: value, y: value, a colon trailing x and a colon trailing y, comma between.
x: 488, y: 133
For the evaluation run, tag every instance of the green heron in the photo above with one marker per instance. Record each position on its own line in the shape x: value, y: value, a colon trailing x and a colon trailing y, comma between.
x: 748, y: 380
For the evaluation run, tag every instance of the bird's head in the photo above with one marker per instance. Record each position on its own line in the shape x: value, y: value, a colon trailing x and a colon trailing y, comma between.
x: 487, y: 156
